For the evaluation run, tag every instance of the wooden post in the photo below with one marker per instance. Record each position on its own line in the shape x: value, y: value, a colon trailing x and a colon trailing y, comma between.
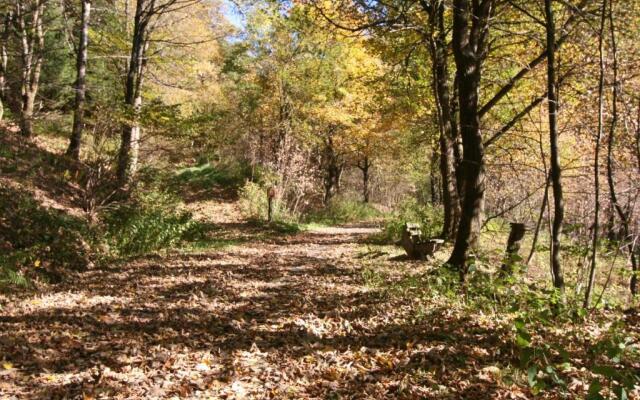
x: 513, y: 247
x: 271, y: 194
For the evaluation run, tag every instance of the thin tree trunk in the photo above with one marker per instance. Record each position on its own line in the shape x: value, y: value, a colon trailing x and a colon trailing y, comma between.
x: 470, y: 27
x: 621, y: 213
x: 128, y: 154
x: 4, y: 40
x: 596, y: 162
x: 32, y: 46
x: 441, y: 89
x: 81, y: 72
x: 536, y: 232
x: 556, y: 174
x: 365, y: 167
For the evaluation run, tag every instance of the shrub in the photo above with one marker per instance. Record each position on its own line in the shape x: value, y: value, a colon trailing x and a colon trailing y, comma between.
x: 38, y: 239
x: 254, y: 205
x: 428, y: 216
x: 206, y: 175
x: 148, y: 222
x: 342, y: 211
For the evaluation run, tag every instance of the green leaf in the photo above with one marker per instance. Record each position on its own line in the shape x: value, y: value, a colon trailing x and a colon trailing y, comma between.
x: 594, y: 391
x: 532, y: 372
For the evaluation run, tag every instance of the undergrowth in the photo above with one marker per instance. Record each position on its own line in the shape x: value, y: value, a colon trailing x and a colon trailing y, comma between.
x: 547, y: 344
x: 341, y: 210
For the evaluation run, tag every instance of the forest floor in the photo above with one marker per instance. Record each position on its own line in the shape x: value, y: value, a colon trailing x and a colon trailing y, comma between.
x: 282, y: 317
x: 308, y: 315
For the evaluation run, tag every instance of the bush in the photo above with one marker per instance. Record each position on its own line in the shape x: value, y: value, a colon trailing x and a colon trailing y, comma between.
x: 149, y: 222
x: 37, y: 239
x: 428, y: 216
x: 342, y: 211
x: 206, y: 176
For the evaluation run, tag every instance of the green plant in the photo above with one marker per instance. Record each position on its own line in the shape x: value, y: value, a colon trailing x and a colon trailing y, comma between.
x: 428, y: 216
x: 38, y: 240
x: 341, y: 210
x: 206, y: 176
x: 150, y: 221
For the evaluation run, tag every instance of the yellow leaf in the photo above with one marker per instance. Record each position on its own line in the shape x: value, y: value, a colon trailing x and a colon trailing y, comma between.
x: 7, y: 365
x: 37, y: 263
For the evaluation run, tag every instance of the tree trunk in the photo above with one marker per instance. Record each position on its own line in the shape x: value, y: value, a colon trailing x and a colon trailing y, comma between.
x: 514, y: 242
x: 556, y: 178
x: 470, y: 26
x: 4, y: 39
x: 128, y: 154
x: 596, y: 161
x: 365, y: 167
x: 81, y: 72
x: 333, y: 171
x: 441, y: 89
x: 619, y: 211
x: 31, y: 35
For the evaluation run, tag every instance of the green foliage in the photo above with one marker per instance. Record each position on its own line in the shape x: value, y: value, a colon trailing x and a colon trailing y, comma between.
x: 35, y: 239
x: 150, y: 221
x: 341, y: 211
x: 253, y: 201
x: 206, y: 176
x: 428, y: 216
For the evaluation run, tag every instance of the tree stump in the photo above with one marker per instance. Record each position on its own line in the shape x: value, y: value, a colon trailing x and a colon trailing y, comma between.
x: 271, y: 194
x: 513, y: 247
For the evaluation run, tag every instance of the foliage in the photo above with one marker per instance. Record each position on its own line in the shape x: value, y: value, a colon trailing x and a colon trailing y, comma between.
x: 207, y: 176
x: 427, y: 215
x: 41, y: 240
x: 148, y: 222
x: 341, y: 210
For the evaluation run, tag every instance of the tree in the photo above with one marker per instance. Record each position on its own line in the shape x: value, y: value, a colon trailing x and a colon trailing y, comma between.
x: 596, y: 159
x: 80, y: 86
x: 470, y: 30
x: 29, y: 16
x: 6, y: 18
x: 147, y: 18
x: 556, y: 172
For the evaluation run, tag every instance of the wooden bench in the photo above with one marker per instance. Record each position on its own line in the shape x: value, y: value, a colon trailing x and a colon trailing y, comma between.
x: 416, y: 246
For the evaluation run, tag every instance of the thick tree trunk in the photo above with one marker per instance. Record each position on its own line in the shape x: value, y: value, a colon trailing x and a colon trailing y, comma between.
x: 596, y: 161
x: 80, y: 86
x: 470, y: 26
x: 556, y: 178
x: 31, y: 35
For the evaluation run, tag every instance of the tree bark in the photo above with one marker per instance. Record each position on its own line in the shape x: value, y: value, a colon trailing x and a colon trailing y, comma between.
x: 596, y: 161
x: 333, y: 170
x: 130, y: 139
x: 441, y: 89
x: 365, y: 167
x: 556, y: 174
x: 31, y: 35
x: 81, y: 72
x: 4, y: 40
x: 622, y: 214
x: 470, y: 27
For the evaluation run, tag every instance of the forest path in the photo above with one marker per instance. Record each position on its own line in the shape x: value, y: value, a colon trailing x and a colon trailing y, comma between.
x: 296, y: 316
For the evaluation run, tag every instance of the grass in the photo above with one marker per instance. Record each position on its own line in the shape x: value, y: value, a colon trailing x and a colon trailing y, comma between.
x: 344, y: 211
x: 206, y: 176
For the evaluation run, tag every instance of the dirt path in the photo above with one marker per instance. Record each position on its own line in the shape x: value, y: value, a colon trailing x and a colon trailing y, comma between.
x: 287, y: 317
